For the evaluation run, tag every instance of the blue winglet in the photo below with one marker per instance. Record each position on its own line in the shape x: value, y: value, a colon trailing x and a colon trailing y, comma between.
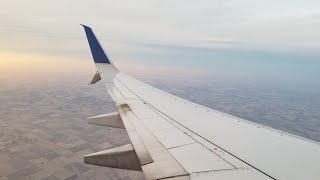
x: 98, y: 54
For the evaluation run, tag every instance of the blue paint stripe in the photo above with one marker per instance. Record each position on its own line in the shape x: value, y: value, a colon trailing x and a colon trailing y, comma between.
x: 98, y: 54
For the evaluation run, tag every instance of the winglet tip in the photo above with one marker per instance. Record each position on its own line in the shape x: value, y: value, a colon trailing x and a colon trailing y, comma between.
x: 85, y: 26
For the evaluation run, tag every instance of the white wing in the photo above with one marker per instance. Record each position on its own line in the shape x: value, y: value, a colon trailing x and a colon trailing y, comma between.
x: 176, y: 139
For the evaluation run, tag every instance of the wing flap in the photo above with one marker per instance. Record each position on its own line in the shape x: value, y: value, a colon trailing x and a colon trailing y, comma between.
x: 162, y: 159
x: 173, y: 137
x: 139, y: 146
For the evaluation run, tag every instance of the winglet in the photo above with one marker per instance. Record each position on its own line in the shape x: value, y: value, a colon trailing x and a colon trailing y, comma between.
x: 98, y: 54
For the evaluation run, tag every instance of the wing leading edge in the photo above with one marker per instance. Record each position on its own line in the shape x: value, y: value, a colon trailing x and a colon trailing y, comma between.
x: 176, y: 139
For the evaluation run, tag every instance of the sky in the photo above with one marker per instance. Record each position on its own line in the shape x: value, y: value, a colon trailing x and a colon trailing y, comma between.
x: 235, y: 49
x: 126, y: 27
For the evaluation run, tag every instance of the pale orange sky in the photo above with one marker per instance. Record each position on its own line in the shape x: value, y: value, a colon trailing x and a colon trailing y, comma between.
x: 19, y: 67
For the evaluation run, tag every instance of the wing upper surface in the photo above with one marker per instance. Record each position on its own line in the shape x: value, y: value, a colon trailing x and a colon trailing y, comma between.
x: 274, y: 153
x: 175, y: 151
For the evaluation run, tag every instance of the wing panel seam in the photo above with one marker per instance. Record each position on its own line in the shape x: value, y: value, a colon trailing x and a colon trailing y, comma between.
x: 195, y: 132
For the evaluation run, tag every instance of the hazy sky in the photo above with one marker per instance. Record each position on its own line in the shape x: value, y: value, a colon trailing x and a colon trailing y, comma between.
x: 124, y: 25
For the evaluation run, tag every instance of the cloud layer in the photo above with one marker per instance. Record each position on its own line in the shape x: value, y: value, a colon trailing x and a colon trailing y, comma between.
x: 43, y: 26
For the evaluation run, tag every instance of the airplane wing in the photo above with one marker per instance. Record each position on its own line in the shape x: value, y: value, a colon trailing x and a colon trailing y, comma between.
x: 172, y: 138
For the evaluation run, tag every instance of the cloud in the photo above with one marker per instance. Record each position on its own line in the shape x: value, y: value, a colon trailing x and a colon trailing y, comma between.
x: 252, y: 25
